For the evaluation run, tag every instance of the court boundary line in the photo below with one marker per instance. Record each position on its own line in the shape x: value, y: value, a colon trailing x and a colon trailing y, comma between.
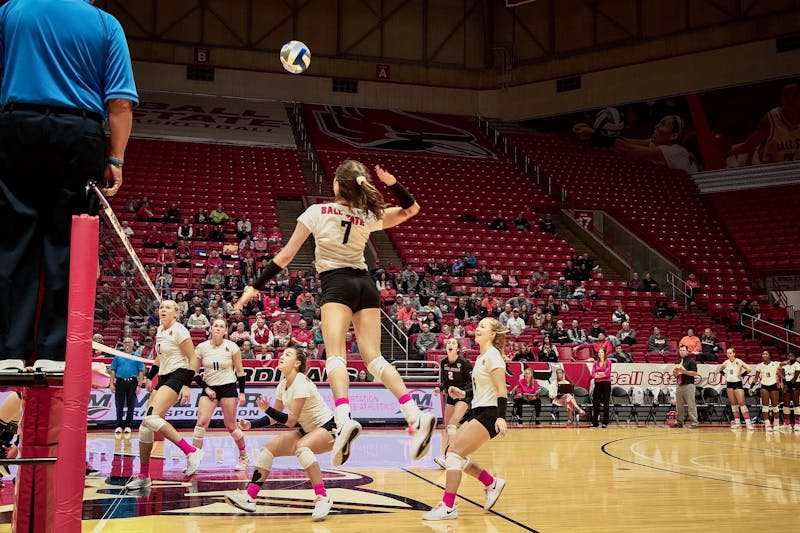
x: 473, y: 502
x: 609, y: 454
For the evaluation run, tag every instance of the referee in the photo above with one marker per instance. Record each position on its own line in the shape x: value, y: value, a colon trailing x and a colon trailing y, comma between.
x: 65, y: 66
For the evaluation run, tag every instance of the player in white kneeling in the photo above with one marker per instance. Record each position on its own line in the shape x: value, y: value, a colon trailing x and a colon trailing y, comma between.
x: 222, y: 371
x: 313, y: 436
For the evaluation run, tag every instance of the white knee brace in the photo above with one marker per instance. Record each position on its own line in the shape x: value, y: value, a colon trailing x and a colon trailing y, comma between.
x: 264, y: 459
x: 145, y: 435
x: 377, y: 366
x: 305, y: 457
x: 153, y: 422
x: 199, y: 432
x: 451, y: 430
x: 453, y: 461
x: 237, y: 434
x: 333, y: 362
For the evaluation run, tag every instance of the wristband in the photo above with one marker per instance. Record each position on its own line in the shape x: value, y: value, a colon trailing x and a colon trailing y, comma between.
x: 153, y: 372
x: 402, y: 195
x: 116, y: 161
x: 242, y: 380
x: 277, y: 416
x: 269, y: 272
x: 199, y: 380
x: 502, y: 401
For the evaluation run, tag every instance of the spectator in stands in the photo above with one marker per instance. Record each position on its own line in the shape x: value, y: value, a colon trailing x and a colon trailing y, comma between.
x: 515, y: 325
x: 521, y: 222
x: 635, y: 284
x: 275, y: 236
x: 426, y: 341
x: 155, y: 239
x: 692, y: 288
x: 619, y: 315
x: 126, y: 229
x: 576, y: 334
x: 547, y: 351
x: 537, y: 318
x: 548, y: 324
x: 246, y: 244
x: 505, y: 314
x: 260, y: 332
x: 218, y: 215
x: 200, y: 232
x: 214, y: 260
x: 163, y: 287
x: 132, y: 205
x: 562, y: 291
x: 308, y: 307
x: 580, y: 291
x: 282, y: 330
x: 473, y: 306
x: 497, y: 310
x: 234, y: 315
x: 396, y: 306
x: 692, y: 342
x: 710, y: 347
x: 198, y: 321
x: 572, y: 272
x: 565, y: 399
x: 551, y: 306
x: 657, y: 343
x: 547, y: 225
x: 173, y: 213
x: 247, y: 350
x: 649, y: 284
x: 216, y: 234
x: 215, y: 309
x: 244, y: 228
x: 445, y: 335
x: 380, y: 282
x: 585, y: 261
x: 523, y: 353
x: 432, y: 321
x: 410, y: 279
x: 626, y: 334
x: 663, y: 310
x: 407, y: 311
x: 434, y: 269
x: 443, y: 284
x: 145, y: 212
x: 185, y: 231
x: 526, y: 391
x: 301, y: 335
x: 603, y: 343
x: 519, y: 300
x: 662, y: 148
x: 388, y: 293
x: 443, y: 303
x: 458, y: 329
x: 431, y: 307
x: 540, y: 280
x: 240, y: 334
x: 496, y: 279
x: 621, y: 355
x: 499, y: 223
x: 560, y: 335
x: 200, y: 217
x: 214, y: 278
x: 286, y: 300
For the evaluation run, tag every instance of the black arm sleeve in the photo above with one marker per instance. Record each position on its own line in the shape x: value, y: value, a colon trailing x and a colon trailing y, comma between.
x: 441, y: 375
x: 262, y: 422
x: 269, y: 272
x: 403, y: 196
x: 278, y: 416
x: 153, y: 372
x: 200, y: 381
x: 501, y: 407
x: 242, y: 381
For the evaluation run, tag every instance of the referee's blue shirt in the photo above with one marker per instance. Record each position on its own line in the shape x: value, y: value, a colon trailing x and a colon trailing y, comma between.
x: 126, y: 368
x: 63, y: 53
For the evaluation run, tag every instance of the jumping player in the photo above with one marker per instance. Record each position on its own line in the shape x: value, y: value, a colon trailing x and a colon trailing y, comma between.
x: 341, y: 230
x: 791, y: 391
x: 314, y: 436
x: 176, y: 364
x: 767, y: 375
x: 490, y: 398
x: 454, y: 379
x: 222, y: 371
x: 733, y: 369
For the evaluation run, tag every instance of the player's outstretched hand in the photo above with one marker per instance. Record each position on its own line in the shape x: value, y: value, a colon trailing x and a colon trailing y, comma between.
x: 456, y: 393
x: 384, y: 176
x: 263, y: 403
x: 244, y: 425
x: 248, y: 294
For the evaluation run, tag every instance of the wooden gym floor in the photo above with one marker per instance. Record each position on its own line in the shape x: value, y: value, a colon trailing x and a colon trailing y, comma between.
x: 559, y: 479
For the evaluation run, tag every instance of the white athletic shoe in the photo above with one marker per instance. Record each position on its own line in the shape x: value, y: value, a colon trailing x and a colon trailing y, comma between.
x: 322, y: 506
x: 421, y: 437
x: 797, y: 428
x: 493, y: 492
x: 138, y: 483
x: 441, y: 512
x: 768, y: 427
x: 118, y: 433
x: 736, y: 425
x: 440, y: 461
x: 786, y: 427
x: 750, y: 426
x: 193, y: 461
x: 345, y: 436
x: 242, y: 500
x: 243, y: 463
x: 127, y: 432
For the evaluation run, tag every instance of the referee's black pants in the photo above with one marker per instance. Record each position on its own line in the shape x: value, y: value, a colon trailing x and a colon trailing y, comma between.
x: 125, y: 400
x: 45, y: 161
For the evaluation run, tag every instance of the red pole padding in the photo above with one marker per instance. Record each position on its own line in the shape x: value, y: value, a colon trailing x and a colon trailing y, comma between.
x: 71, y: 464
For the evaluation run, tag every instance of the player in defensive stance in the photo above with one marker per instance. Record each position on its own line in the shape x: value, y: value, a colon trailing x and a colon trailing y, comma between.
x: 222, y: 371
x: 176, y: 364
x: 767, y: 375
x: 341, y: 230
x: 791, y: 391
x: 454, y: 379
x: 490, y: 397
x: 733, y: 369
x: 314, y: 436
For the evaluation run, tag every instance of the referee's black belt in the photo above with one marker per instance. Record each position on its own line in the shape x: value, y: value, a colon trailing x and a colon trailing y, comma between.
x: 127, y: 379
x: 55, y: 110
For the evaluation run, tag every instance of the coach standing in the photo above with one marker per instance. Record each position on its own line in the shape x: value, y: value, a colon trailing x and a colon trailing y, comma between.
x: 65, y: 65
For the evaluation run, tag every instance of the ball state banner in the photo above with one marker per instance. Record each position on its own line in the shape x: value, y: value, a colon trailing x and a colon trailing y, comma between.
x: 348, y: 128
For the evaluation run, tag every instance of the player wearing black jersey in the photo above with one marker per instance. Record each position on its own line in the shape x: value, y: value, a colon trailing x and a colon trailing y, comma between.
x: 455, y: 372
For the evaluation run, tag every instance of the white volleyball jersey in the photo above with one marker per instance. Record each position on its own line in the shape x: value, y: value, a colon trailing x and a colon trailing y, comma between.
x: 733, y: 370
x: 483, y: 392
x: 341, y: 233
x: 790, y: 370
x: 768, y: 373
x: 783, y: 143
x: 217, y: 362
x: 170, y: 356
x: 315, y: 411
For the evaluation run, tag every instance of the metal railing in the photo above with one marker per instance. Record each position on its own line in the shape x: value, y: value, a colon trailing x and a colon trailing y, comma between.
x: 750, y: 322
x: 398, y: 337
x: 677, y: 284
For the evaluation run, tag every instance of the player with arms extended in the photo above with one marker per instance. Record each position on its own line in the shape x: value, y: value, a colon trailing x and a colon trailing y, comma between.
x: 341, y: 230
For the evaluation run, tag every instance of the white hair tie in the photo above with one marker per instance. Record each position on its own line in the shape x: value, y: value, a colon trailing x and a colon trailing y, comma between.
x: 360, y: 180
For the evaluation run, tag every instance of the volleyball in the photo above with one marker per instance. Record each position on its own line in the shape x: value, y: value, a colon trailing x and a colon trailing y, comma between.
x: 295, y: 57
x: 609, y: 123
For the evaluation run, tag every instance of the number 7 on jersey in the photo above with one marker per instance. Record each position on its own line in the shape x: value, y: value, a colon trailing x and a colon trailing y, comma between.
x: 346, y: 224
